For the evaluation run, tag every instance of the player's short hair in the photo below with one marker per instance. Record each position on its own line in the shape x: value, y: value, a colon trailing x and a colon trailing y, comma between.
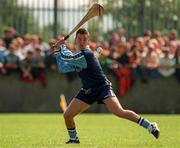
x: 81, y: 31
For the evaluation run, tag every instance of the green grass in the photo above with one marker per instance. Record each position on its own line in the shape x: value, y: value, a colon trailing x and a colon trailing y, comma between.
x: 94, y: 130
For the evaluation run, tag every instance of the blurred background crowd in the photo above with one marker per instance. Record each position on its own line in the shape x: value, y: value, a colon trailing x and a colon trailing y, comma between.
x: 148, y: 56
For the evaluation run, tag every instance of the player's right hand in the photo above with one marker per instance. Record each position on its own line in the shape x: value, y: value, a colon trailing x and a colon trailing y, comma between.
x: 55, y: 43
x: 59, y: 41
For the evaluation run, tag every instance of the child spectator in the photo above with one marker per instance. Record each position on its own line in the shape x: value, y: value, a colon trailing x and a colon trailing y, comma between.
x: 26, y: 67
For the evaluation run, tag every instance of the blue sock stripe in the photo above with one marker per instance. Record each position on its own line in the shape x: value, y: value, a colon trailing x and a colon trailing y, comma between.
x: 72, y: 134
x: 145, y: 123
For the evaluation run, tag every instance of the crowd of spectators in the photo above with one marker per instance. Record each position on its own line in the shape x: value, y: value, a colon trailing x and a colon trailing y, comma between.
x: 23, y: 55
x: 146, y: 57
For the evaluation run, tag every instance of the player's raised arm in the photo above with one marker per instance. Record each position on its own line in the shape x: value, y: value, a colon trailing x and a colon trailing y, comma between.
x: 76, y: 59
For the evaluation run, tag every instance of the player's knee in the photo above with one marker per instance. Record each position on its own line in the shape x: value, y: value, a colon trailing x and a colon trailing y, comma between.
x: 67, y: 115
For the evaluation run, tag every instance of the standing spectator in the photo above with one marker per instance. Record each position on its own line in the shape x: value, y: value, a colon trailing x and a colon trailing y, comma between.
x: 27, y: 40
x: 31, y: 41
x: 11, y: 61
x: 166, y: 67
x: 8, y: 36
x: 141, y: 51
x: 122, y: 69
x: 135, y: 64
x: 152, y: 59
x: 20, y: 48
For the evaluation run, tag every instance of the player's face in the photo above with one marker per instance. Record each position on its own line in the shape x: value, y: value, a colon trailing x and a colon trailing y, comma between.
x: 81, y: 40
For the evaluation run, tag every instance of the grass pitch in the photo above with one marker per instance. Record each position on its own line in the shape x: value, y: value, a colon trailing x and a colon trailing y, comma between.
x: 94, y: 131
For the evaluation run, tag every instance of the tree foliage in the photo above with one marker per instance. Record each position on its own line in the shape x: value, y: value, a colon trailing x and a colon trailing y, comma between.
x: 137, y: 16
x: 16, y: 16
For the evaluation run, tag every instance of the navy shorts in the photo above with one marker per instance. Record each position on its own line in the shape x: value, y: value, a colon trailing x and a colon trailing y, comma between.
x: 95, y: 94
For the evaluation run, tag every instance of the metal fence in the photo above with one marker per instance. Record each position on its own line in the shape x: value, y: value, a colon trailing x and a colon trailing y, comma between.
x: 50, y: 17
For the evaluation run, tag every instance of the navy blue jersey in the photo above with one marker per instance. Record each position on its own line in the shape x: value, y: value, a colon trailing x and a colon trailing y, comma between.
x: 92, y: 75
x: 85, y: 63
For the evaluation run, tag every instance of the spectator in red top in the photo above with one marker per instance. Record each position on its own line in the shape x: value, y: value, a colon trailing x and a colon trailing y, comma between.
x: 122, y: 69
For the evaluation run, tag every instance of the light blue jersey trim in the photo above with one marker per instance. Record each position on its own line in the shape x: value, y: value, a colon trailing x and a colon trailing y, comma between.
x: 63, y: 65
x: 68, y: 61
